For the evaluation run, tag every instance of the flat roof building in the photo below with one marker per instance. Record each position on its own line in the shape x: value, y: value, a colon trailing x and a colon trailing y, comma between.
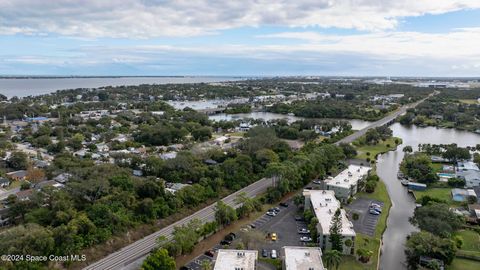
x: 302, y: 258
x: 233, y: 259
x: 323, y: 205
x: 345, y: 184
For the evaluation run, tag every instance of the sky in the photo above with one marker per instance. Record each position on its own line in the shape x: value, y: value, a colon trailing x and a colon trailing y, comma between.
x: 241, y: 38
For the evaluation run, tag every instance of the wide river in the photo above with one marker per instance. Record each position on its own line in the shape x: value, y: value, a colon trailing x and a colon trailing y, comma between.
x: 403, y: 204
x: 23, y: 87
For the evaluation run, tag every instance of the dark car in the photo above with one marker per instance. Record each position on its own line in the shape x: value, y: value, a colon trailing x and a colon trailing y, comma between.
x: 253, y: 226
x: 225, y: 243
x: 264, y: 253
x: 309, y: 188
x: 284, y: 204
x: 298, y: 218
x: 184, y: 268
x: 210, y: 253
x: 230, y: 237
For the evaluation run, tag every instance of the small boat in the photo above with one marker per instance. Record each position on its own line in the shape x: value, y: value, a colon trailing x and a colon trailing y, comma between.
x: 405, y: 182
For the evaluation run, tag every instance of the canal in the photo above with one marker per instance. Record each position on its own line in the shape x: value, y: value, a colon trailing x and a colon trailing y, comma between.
x: 403, y: 204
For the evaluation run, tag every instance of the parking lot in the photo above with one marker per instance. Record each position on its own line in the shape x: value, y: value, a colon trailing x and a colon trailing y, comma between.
x: 366, y: 222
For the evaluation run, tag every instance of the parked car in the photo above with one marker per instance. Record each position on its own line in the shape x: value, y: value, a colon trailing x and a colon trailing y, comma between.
x: 210, y: 253
x: 253, y: 226
x: 264, y: 253
x: 230, y: 237
x: 298, y: 218
x: 271, y: 213
x: 376, y: 205
x: 376, y: 208
x: 309, y: 188
x: 317, y: 181
x: 225, y: 243
x: 273, y: 254
x: 374, y: 212
x: 284, y: 204
x: 276, y: 209
x: 303, y: 231
x: 305, y: 239
x: 273, y: 236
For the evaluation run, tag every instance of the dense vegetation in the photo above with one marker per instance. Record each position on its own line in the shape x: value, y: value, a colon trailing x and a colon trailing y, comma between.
x: 451, y: 108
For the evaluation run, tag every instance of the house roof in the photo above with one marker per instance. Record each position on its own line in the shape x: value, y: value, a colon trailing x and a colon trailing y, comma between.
x: 18, y: 174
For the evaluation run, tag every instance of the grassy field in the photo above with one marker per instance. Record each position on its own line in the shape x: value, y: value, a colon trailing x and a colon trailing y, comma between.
x: 468, y: 101
x: 365, y: 241
x: 439, y: 193
x: 464, y: 264
x: 378, y: 148
x: 471, y: 240
x: 437, y: 167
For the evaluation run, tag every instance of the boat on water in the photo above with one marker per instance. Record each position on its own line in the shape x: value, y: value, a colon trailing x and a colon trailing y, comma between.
x: 405, y: 182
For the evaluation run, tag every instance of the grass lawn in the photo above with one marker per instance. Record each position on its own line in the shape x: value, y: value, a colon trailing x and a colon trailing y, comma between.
x: 471, y: 240
x: 468, y: 101
x: 14, y: 184
x: 378, y: 148
x: 236, y: 134
x: 440, y: 193
x: 464, y: 264
x: 437, y: 167
x: 365, y: 241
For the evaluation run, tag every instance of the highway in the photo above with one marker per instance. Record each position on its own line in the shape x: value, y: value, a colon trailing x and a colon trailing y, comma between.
x: 125, y: 257
x: 382, y: 121
x: 129, y: 254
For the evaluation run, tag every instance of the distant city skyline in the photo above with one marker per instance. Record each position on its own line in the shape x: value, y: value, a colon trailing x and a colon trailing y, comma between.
x: 240, y: 38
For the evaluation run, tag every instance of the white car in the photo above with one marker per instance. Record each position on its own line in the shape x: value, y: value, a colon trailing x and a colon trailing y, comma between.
x: 272, y: 214
x: 305, y: 239
x: 303, y: 231
x: 374, y: 212
x: 273, y: 254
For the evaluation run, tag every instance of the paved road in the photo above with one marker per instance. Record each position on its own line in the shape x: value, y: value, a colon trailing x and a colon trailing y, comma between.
x: 132, y: 253
x: 142, y: 247
x: 382, y: 121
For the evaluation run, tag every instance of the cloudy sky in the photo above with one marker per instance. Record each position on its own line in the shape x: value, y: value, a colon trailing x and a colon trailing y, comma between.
x: 247, y: 37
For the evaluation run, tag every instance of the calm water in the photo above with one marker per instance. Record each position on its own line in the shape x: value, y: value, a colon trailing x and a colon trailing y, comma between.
x: 356, y: 124
x: 39, y: 86
x: 403, y: 204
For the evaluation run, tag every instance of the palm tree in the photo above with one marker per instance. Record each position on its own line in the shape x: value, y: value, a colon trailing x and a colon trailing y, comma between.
x: 206, y: 265
x: 333, y: 258
x: 364, y: 254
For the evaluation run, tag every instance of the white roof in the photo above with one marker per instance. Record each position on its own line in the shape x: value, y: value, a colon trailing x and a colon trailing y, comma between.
x: 303, y: 258
x: 349, y: 176
x: 233, y: 259
x: 325, y: 204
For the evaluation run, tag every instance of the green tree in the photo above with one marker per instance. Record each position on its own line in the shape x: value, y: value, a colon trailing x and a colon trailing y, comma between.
x: 408, y: 149
x: 159, y: 260
x: 336, y: 231
x: 332, y: 258
x: 426, y: 244
x: 437, y: 219
x: 364, y: 254
x: 18, y: 161
x: 224, y: 214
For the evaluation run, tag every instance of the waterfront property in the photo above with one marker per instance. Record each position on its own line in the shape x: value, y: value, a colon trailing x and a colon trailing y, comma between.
x: 345, y: 184
x: 416, y: 186
x: 302, y: 258
x: 324, y: 205
x: 232, y: 259
x: 463, y: 195
x: 470, y: 172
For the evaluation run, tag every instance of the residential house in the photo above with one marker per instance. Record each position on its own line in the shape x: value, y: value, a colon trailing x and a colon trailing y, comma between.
x: 463, y: 195
x: 17, y: 175
x: 4, y: 182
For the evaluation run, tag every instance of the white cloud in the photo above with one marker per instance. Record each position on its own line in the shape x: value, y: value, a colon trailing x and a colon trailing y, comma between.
x: 154, y: 18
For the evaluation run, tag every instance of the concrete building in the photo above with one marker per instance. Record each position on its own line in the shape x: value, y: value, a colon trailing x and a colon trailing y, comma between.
x: 232, y: 259
x: 345, y: 184
x: 302, y: 258
x: 324, y: 205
